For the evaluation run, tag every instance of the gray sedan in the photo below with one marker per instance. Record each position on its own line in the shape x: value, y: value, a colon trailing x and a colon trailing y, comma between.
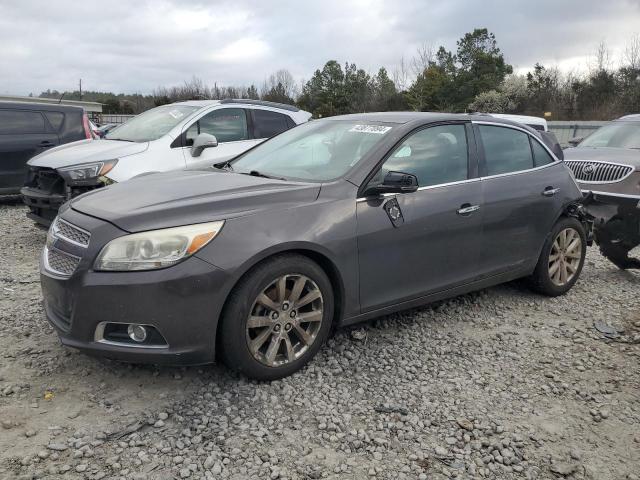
x: 328, y: 224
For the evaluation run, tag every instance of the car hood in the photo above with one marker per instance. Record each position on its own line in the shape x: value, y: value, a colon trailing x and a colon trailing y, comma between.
x: 628, y: 156
x: 86, y: 151
x: 171, y: 199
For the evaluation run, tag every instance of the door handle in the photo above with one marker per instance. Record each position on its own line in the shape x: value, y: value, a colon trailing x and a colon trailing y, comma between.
x: 46, y: 144
x: 467, y: 208
x: 550, y: 191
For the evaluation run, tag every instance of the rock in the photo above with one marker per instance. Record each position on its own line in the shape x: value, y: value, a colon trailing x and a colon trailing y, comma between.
x: 82, y: 467
x: 441, y: 451
x: 564, y: 469
x: 58, y: 447
x: 464, y: 423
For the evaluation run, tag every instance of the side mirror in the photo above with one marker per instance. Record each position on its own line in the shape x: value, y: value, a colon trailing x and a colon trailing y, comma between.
x: 202, y: 141
x: 575, y: 141
x: 394, y: 182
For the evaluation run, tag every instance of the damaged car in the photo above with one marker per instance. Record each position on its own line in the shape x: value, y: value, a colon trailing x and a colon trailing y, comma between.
x: 606, y: 165
x: 333, y: 222
x: 184, y: 135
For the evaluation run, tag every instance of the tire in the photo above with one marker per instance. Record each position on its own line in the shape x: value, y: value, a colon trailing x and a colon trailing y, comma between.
x: 546, y: 278
x: 259, y: 348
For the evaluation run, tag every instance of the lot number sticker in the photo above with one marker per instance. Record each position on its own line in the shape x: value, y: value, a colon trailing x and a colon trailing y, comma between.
x: 379, y: 129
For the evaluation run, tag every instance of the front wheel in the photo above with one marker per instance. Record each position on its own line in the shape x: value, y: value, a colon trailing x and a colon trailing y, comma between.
x: 561, y: 259
x: 277, y: 318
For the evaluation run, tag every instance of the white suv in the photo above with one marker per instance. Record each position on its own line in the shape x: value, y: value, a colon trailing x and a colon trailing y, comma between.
x: 185, y: 135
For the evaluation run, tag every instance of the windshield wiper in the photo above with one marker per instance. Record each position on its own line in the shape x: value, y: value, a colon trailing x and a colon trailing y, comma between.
x: 255, y: 173
x: 224, y: 166
x: 119, y: 139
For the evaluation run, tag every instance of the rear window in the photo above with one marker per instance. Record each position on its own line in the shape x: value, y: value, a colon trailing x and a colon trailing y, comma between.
x: 266, y: 124
x: 56, y: 119
x: 21, y: 122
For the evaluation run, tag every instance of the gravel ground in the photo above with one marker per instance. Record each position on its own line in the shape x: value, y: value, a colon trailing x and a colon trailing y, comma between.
x: 501, y: 383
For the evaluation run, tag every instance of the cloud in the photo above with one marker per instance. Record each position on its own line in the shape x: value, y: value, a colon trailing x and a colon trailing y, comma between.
x: 126, y: 46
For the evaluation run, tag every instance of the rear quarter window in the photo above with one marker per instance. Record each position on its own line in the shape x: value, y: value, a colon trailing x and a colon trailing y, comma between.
x: 56, y: 119
x: 266, y: 124
x: 21, y: 122
x: 540, y: 155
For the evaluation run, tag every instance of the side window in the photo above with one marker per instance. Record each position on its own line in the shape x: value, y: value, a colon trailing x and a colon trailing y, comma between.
x: 226, y: 124
x: 266, y: 124
x: 21, y: 122
x: 506, y: 149
x: 55, y: 119
x: 435, y: 155
x: 540, y: 155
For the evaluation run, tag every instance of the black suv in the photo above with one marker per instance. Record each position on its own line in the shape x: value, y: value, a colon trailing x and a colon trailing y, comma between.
x: 27, y: 129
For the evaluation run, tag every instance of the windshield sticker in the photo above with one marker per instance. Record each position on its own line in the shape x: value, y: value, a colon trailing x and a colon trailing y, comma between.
x: 176, y: 114
x: 379, y: 129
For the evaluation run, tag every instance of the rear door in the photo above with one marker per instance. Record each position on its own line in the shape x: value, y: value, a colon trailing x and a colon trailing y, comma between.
x: 427, y: 241
x: 23, y: 134
x: 520, y: 186
x: 230, y: 126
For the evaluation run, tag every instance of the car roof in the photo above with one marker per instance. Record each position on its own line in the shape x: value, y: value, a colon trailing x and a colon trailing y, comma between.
x: 424, y: 117
x: 630, y: 118
x: 48, y: 107
x: 239, y: 101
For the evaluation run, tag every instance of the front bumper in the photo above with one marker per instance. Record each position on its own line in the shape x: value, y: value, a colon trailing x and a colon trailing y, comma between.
x: 43, y: 206
x: 182, y: 302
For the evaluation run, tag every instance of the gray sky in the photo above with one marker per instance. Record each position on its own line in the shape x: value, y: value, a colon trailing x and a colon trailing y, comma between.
x: 135, y: 46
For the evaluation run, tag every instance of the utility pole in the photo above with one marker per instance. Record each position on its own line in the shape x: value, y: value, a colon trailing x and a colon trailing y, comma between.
x: 80, y: 89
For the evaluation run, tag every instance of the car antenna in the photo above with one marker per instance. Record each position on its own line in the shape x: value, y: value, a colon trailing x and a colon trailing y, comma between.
x: 61, y: 97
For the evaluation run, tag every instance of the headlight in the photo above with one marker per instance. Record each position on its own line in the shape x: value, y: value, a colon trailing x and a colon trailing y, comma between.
x: 156, y: 248
x: 86, y: 173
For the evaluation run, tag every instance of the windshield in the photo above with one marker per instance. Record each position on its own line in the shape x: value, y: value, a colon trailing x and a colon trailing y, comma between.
x: 615, y: 135
x: 319, y: 150
x: 151, y: 124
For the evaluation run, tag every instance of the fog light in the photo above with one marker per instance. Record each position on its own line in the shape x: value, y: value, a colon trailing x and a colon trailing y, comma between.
x: 137, y: 333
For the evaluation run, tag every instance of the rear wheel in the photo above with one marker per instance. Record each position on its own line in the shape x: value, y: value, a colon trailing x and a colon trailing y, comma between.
x: 277, y: 318
x: 561, y: 259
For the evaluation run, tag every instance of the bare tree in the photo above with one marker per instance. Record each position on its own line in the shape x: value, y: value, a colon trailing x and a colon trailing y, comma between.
x: 631, y: 55
x: 401, y: 76
x: 425, y: 55
x: 601, y: 58
x: 283, y: 78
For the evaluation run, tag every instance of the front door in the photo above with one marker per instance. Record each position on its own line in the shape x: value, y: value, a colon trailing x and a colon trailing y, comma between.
x: 229, y: 126
x: 413, y: 244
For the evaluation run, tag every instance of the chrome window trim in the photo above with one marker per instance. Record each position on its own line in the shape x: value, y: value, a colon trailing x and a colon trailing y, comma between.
x: 630, y: 167
x: 98, y: 337
x: 426, y: 187
x: 56, y: 233
x: 47, y: 266
x: 508, y: 174
x: 556, y: 161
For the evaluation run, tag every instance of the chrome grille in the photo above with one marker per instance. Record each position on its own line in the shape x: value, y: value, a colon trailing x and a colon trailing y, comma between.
x: 61, y: 262
x: 69, y: 232
x: 598, y: 172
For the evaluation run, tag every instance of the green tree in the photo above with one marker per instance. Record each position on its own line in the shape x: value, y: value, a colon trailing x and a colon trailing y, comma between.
x: 480, y: 66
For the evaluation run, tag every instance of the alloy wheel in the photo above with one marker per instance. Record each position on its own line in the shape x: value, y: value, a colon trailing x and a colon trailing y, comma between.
x: 565, y: 256
x: 284, y: 320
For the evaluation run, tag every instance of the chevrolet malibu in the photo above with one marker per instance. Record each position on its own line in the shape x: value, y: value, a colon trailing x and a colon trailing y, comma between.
x: 256, y: 259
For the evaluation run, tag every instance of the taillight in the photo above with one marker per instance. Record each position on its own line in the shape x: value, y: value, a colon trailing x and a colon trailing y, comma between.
x: 85, y: 125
